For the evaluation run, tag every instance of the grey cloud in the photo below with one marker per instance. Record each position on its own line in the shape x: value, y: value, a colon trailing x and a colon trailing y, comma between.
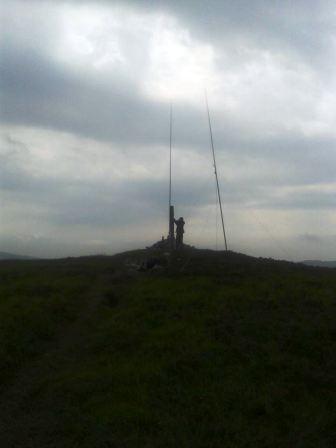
x: 39, y: 92
x: 304, y: 28
x: 312, y: 238
x: 306, y: 201
x: 118, y: 203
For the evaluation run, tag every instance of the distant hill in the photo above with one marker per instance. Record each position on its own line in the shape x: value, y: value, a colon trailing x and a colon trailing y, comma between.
x: 8, y: 256
x: 319, y: 263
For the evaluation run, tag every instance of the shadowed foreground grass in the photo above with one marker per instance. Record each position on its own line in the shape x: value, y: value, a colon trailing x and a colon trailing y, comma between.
x: 232, y: 352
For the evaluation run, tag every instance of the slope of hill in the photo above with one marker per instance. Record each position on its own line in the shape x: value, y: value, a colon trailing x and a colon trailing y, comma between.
x: 215, y: 350
x: 319, y: 263
x: 9, y: 256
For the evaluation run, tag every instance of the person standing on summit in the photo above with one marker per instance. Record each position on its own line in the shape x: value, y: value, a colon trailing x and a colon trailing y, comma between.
x: 179, y: 232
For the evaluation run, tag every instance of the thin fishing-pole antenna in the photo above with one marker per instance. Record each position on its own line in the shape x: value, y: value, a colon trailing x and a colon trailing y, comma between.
x: 215, y: 168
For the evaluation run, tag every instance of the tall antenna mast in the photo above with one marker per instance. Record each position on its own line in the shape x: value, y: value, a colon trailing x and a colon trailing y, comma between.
x: 215, y: 168
x: 170, y: 152
x: 171, y: 236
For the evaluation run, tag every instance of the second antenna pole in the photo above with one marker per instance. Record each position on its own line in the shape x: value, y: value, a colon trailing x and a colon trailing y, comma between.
x: 215, y: 168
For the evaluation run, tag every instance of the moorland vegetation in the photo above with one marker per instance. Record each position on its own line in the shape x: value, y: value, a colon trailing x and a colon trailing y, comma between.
x: 211, y: 349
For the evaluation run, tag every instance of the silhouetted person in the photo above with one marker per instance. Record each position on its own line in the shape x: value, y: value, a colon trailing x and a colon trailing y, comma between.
x: 179, y: 232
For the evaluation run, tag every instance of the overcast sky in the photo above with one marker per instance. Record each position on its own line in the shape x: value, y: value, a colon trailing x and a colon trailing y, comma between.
x: 85, y: 93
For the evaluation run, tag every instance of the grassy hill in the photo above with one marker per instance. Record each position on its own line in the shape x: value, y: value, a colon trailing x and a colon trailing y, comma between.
x: 215, y: 350
x: 322, y: 264
x: 9, y: 256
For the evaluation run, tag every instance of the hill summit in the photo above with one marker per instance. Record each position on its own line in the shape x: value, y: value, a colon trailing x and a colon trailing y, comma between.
x: 215, y: 349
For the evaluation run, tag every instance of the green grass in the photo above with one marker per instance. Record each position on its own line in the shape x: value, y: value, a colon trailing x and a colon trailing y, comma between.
x: 33, y: 306
x: 232, y: 352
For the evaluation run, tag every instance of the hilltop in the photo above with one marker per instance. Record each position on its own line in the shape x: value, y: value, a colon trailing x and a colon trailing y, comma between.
x: 208, y: 349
